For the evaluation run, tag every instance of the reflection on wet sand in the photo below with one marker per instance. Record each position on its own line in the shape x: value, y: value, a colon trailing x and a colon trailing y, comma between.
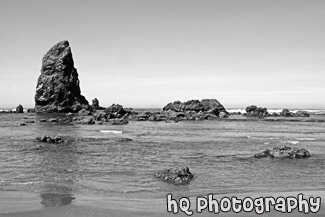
x: 59, y: 169
x: 54, y: 199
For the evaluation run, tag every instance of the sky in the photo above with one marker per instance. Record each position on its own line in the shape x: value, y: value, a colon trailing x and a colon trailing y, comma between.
x: 147, y: 53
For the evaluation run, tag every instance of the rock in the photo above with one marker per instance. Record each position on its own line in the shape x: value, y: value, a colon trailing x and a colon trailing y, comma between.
x: 210, y: 117
x: 213, y: 104
x: 84, y: 112
x: 124, y: 140
x: 223, y: 115
x: 30, y: 110
x: 192, y: 105
x: 144, y: 116
x: 181, y: 175
x: 22, y: 124
x: 284, y: 152
x: 173, y: 106
x: 274, y: 114
x: 19, y: 109
x: 119, y: 121
x: 42, y: 120
x: 100, y: 116
x: 302, y: 114
x: 69, y: 114
x: 49, y: 139
x: 58, y: 87
x: 286, y: 113
x: 53, y: 120
x: 155, y: 117
x: 86, y: 120
x: 115, y: 111
x: 254, y: 111
x: 95, y: 105
x: 30, y: 122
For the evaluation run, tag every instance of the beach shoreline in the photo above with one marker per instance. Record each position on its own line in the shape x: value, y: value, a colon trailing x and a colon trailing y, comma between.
x: 19, y: 204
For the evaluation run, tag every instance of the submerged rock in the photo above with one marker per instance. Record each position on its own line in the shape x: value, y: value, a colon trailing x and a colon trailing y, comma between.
x: 124, y: 140
x: 284, y: 152
x: 49, y: 139
x: 58, y: 87
x: 53, y: 120
x: 181, y: 175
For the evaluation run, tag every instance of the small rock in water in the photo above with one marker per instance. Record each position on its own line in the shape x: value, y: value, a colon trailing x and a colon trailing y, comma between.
x: 43, y: 120
x: 49, y: 139
x: 124, y: 140
x: 181, y: 175
x: 53, y: 120
x: 30, y: 122
x: 284, y: 152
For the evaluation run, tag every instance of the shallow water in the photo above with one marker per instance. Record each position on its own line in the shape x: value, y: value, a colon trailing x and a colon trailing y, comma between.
x: 94, y: 163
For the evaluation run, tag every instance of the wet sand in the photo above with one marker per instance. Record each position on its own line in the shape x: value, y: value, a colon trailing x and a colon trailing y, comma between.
x: 28, y: 205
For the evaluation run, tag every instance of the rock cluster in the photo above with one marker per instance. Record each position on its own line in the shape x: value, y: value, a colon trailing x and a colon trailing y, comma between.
x: 284, y: 152
x: 287, y: 113
x: 58, y: 87
x: 49, y: 139
x: 212, y: 106
x: 254, y: 111
x: 181, y: 175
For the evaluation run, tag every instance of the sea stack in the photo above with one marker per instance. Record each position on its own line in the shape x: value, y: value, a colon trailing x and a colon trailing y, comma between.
x: 58, y: 87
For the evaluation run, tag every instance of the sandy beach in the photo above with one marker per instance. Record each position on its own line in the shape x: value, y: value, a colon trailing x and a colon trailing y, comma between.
x: 28, y: 205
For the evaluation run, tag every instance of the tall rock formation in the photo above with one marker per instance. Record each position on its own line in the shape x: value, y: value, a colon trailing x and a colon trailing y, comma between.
x: 58, y: 85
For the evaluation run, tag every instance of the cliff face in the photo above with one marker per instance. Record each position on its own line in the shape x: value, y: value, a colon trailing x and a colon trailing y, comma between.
x: 58, y: 87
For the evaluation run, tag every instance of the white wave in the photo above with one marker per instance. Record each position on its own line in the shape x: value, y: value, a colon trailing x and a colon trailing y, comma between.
x: 306, y: 139
x: 112, y: 131
x: 236, y: 110
x: 279, y: 110
x: 252, y: 137
x: 293, y: 142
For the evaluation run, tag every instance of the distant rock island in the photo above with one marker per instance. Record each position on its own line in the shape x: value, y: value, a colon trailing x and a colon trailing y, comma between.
x: 58, y: 87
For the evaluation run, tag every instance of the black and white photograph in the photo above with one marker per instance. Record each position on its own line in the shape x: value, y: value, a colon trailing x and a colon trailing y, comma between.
x: 118, y: 108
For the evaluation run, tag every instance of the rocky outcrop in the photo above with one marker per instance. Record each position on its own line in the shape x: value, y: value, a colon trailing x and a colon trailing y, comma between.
x: 58, y: 87
x: 284, y: 152
x: 286, y: 113
x: 20, y: 109
x: 302, y: 114
x: 254, y: 111
x: 212, y: 106
x: 181, y: 175
x: 115, y: 111
x: 95, y: 105
x: 173, y: 106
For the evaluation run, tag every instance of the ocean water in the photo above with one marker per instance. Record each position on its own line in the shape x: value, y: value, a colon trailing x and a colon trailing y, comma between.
x: 94, y: 162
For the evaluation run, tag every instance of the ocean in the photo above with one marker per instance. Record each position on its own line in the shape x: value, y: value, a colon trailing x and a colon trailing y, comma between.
x: 94, y: 162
